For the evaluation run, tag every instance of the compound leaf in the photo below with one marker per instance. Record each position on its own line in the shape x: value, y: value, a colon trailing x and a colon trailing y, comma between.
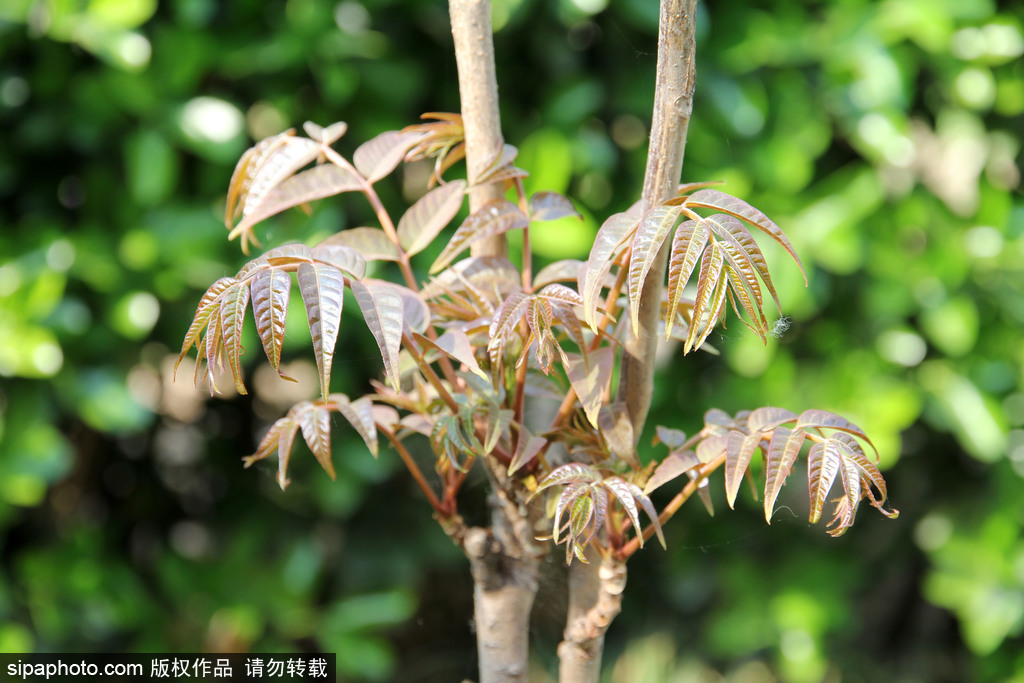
x: 232, y: 318
x: 322, y: 289
x: 270, y: 289
x: 782, y: 452
x: 650, y: 234
x: 687, y: 246
x: 493, y: 218
x: 739, y: 449
x: 611, y: 237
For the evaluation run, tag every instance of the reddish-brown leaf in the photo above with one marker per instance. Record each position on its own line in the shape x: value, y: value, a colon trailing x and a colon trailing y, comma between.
x: 429, y: 215
x: 676, y: 464
x: 529, y: 445
x: 493, y: 218
x: 232, y: 317
x: 714, y: 199
x: 650, y: 235
x: 739, y: 449
x: 208, y: 304
x: 359, y: 414
x: 315, y: 422
x: 736, y: 234
x: 767, y: 418
x: 384, y: 312
x: 611, y: 238
x: 567, y: 270
x: 589, y: 376
x: 782, y: 453
x: 549, y: 206
x: 345, y: 259
x: 379, y: 156
x: 823, y: 463
x: 371, y: 243
x: 823, y: 419
x: 270, y: 289
x: 322, y: 289
x: 710, y: 297
x: 279, y: 438
x: 328, y: 135
x: 687, y: 246
x: 456, y: 344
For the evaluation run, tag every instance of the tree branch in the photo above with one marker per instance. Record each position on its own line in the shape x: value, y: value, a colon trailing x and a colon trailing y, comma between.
x: 478, y: 90
x: 673, y: 104
x: 595, y: 599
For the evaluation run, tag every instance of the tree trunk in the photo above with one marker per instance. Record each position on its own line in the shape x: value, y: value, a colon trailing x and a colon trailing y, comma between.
x: 673, y: 103
x: 595, y: 592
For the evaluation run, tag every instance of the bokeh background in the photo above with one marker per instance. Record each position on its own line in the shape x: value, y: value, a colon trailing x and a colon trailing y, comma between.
x: 883, y: 136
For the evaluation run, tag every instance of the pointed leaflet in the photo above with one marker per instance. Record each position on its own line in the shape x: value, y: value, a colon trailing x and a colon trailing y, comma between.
x: 279, y: 438
x: 528, y: 446
x: 232, y: 318
x: 648, y: 507
x: 687, y: 246
x: 738, y: 451
x: 650, y: 235
x: 328, y: 135
x: 569, y: 495
x: 823, y: 419
x: 376, y: 158
x: 493, y: 218
x: 209, y: 303
x: 343, y: 258
x: 316, y: 430
x: 270, y: 290
x: 782, y: 452
x: 383, y: 312
x: 212, y: 345
x: 822, y: 466
x: 371, y: 243
x: 565, y: 474
x: 617, y: 431
x: 621, y: 490
x: 322, y: 290
x: 673, y: 438
x: 671, y: 467
x: 730, y: 227
x: 557, y: 292
x: 710, y: 297
x: 768, y: 418
x: 853, y: 450
x: 319, y: 182
x: 360, y: 414
x: 713, y: 199
x: 590, y: 378
x: 549, y: 206
x: 456, y: 344
x: 745, y: 288
x: 612, y: 235
x: 498, y: 161
x: 283, y: 158
x: 505, y: 320
x: 566, y: 270
x: 429, y: 215
x: 847, y: 507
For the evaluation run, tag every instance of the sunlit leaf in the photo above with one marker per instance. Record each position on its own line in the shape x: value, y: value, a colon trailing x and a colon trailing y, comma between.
x: 557, y: 292
x: 652, y: 514
x: 232, y: 317
x: 322, y: 290
x: 650, y: 235
x: 741, y: 244
x: 822, y: 467
x: 528, y: 446
x: 278, y: 439
x: 714, y: 199
x: 617, y: 431
x: 673, y: 466
x: 328, y: 135
x: 383, y: 312
x: 456, y: 344
x: 687, y: 246
x: 622, y: 492
x: 270, y: 289
x: 208, y: 303
x: 316, y: 430
x: 379, y: 156
x: 782, y: 453
x: 566, y: 270
x: 341, y: 257
x: 493, y: 218
x: 319, y: 182
x: 709, y: 299
x: 589, y: 377
x: 499, y: 161
x: 768, y: 418
x: 823, y: 419
x: 739, y: 449
x: 371, y: 243
x: 564, y: 474
x: 610, y: 239
x: 550, y: 206
x: 360, y: 414
x: 429, y: 215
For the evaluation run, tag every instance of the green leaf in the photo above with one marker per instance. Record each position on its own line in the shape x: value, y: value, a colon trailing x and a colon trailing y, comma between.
x: 379, y: 156
x: 428, y: 217
x: 611, y: 238
x: 650, y: 235
x: 383, y: 312
x: 270, y: 289
x: 232, y: 319
x: 322, y: 289
x: 493, y: 218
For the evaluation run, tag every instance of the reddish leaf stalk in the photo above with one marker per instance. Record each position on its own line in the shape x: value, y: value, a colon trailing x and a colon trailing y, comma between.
x: 417, y: 474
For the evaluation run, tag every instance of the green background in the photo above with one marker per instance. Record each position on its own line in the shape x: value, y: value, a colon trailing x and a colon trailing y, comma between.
x: 884, y: 137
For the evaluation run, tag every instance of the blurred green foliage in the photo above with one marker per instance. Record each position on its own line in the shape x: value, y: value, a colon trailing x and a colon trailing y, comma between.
x: 883, y: 136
